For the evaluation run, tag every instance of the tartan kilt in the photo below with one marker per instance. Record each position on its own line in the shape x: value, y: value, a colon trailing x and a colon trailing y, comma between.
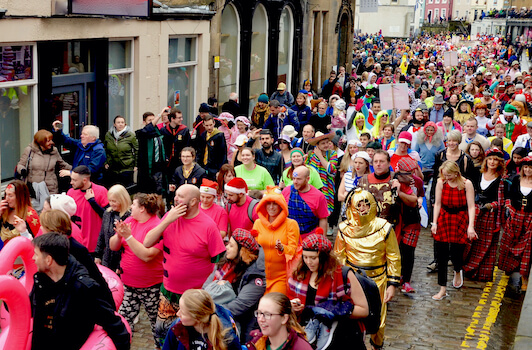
x: 480, y: 255
x: 516, y: 242
x: 410, y: 234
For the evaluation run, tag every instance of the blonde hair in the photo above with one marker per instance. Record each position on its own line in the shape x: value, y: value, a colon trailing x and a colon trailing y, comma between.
x: 451, y: 167
x: 120, y: 194
x: 201, y: 307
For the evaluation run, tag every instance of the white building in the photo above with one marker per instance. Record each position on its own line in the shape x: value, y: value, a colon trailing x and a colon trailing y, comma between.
x: 394, y: 17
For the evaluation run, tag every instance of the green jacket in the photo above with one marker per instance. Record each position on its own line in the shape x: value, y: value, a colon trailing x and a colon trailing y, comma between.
x: 121, y: 152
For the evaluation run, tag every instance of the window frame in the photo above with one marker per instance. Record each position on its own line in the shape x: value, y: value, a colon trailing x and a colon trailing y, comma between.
x: 130, y: 71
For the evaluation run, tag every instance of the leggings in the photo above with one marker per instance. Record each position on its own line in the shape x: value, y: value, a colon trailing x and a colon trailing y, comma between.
x: 407, y: 261
x: 133, y: 298
x: 456, y: 251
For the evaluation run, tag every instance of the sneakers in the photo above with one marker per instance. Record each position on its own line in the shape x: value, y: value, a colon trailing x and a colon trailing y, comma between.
x: 311, y: 330
x: 433, y: 266
x: 407, y: 288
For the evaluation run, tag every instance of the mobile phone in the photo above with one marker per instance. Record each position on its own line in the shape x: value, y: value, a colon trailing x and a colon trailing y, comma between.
x: 59, y: 125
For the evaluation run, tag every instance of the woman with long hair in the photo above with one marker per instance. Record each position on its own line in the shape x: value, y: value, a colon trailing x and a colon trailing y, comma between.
x: 516, y: 241
x: 201, y: 325
x: 243, y: 268
x: 513, y: 164
x: 454, y: 223
x: 261, y: 111
x: 40, y: 159
x: 302, y: 109
x: 278, y: 324
x: 297, y: 158
x: 481, y: 254
x: 226, y: 174
x: 17, y: 216
x: 475, y: 151
x: 285, y: 147
x: 429, y: 143
x: 483, y: 118
x: 360, y: 162
x: 142, y: 267
x: 318, y: 281
x: 448, y: 124
x: 256, y: 176
x: 119, y: 204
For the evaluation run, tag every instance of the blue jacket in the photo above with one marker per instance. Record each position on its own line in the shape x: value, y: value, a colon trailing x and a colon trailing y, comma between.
x: 276, y: 124
x: 179, y: 336
x: 303, y: 114
x: 92, y: 155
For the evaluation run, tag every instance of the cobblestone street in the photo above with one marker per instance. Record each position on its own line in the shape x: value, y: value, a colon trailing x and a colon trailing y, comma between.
x: 466, y: 319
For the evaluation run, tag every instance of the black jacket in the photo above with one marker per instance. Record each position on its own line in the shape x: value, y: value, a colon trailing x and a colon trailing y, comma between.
x: 70, y: 308
x: 174, y: 141
x: 151, y: 160
x: 232, y: 107
x: 195, y: 178
x: 217, y: 153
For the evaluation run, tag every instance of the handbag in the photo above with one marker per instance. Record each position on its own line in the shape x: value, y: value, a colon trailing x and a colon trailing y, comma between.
x: 23, y: 174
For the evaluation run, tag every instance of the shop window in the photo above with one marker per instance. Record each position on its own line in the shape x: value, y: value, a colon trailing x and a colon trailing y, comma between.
x: 17, y: 81
x: 286, y: 39
x: 229, y: 54
x: 182, y: 64
x: 120, y: 77
x: 259, y: 56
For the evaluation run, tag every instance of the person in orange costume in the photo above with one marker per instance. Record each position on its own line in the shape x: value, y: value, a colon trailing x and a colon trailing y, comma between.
x: 279, y: 237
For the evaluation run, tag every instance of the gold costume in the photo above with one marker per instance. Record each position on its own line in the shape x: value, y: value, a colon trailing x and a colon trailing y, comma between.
x: 368, y: 243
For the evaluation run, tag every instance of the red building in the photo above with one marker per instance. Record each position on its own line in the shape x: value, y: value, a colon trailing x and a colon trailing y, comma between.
x: 438, y: 10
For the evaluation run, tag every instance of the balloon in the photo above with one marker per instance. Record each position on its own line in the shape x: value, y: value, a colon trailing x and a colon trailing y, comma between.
x: 99, y: 339
x: 115, y: 284
x: 13, y: 293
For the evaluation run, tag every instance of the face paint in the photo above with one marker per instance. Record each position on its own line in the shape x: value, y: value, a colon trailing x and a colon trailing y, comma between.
x: 295, y: 174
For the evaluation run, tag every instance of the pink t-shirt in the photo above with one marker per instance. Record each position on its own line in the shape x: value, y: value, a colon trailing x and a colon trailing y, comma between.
x: 239, y: 218
x: 189, y: 246
x: 91, y: 222
x: 138, y: 273
x: 218, y: 215
x: 314, y: 198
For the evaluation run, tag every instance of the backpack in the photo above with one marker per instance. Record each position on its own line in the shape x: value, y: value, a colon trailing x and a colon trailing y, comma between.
x: 373, y: 321
x: 251, y: 206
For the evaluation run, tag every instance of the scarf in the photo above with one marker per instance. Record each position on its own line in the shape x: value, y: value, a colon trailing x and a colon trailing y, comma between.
x: 207, y: 138
x: 119, y: 134
x: 226, y: 272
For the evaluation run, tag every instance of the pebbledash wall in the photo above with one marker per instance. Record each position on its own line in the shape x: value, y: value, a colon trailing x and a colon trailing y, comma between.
x: 126, y: 66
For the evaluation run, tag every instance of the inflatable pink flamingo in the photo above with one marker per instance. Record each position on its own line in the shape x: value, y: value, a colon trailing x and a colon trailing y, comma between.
x: 14, y: 295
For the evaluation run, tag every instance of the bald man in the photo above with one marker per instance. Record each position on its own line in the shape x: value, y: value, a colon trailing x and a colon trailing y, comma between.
x: 306, y: 204
x: 191, y: 245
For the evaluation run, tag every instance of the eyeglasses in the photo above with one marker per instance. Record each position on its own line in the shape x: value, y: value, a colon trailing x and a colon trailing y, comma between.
x: 266, y: 315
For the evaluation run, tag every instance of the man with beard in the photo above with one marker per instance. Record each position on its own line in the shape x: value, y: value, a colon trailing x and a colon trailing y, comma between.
x: 91, y: 200
x: 267, y: 156
x: 514, y: 125
x: 192, y: 244
x: 241, y: 207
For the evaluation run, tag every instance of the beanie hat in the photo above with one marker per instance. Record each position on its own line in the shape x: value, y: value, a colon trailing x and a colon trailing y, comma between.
x: 340, y: 104
x: 204, y: 108
x: 510, y: 110
x: 317, y: 242
x: 245, y: 239
x: 64, y: 203
x: 405, y: 137
x: 209, y: 187
x: 237, y: 185
x: 406, y: 164
x: 264, y: 98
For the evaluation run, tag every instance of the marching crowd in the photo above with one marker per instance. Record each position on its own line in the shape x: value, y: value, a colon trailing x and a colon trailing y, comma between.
x: 265, y: 231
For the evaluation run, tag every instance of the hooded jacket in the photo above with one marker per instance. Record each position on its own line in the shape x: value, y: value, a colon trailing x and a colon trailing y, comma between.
x: 282, y: 228
x: 122, y: 151
x: 42, y: 165
x: 74, y: 295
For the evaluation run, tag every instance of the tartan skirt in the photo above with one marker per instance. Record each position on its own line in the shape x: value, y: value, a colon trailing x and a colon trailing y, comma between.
x: 516, y: 243
x: 480, y: 255
x: 410, y: 234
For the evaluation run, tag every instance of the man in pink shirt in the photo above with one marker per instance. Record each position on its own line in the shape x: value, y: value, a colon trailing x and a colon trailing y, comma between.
x: 191, y: 245
x: 208, y: 192
x: 91, y: 201
x: 241, y: 208
x: 306, y: 204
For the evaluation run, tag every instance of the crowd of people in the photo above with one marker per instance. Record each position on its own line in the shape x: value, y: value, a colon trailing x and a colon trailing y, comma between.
x: 256, y: 230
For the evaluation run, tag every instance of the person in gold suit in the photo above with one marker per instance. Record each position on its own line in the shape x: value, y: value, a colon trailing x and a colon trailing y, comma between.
x: 367, y: 242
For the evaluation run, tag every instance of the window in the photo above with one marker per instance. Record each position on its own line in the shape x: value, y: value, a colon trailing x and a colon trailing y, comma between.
x: 443, y: 1
x: 437, y: 1
x: 120, y: 77
x: 182, y: 63
x: 430, y: 1
x: 286, y: 38
x: 443, y: 13
x: 17, y: 102
x: 229, y: 54
x: 259, y: 55
x: 436, y: 14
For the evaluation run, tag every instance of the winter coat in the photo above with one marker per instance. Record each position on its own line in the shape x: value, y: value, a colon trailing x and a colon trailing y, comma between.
x: 276, y: 124
x: 42, y: 166
x: 179, y: 337
x: 217, y: 153
x: 92, y: 154
x: 303, y: 114
x: 121, y: 152
x: 232, y: 107
x: 151, y: 161
x: 174, y: 141
x: 110, y: 259
x: 249, y: 289
x: 295, y: 341
x: 77, y: 294
x: 195, y: 178
x: 284, y: 99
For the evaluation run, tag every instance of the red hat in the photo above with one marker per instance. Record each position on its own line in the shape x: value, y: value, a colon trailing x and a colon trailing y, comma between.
x: 405, y: 137
x: 317, y: 242
x: 406, y: 164
x: 237, y: 185
x: 245, y: 239
x: 209, y: 187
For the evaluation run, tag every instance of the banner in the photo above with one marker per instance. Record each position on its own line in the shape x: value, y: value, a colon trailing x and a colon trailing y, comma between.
x: 394, y: 96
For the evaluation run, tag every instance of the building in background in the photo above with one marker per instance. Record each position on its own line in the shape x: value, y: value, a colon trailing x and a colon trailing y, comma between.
x: 394, y: 17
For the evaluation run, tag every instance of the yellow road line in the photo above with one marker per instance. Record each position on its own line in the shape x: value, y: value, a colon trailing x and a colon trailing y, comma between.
x: 478, y: 332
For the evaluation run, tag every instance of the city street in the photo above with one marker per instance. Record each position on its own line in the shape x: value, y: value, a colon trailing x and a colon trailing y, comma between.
x: 478, y: 316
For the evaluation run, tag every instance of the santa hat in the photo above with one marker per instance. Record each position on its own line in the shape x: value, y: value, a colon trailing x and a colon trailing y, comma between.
x: 510, y: 110
x: 236, y: 185
x: 209, y: 187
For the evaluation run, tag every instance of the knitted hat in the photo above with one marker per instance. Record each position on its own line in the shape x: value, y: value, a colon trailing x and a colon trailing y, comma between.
x: 264, y: 98
x: 406, y: 164
x: 245, y: 239
x: 495, y: 153
x: 510, y: 110
x: 204, y: 108
x: 236, y: 185
x: 317, y: 242
x: 64, y: 203
x: 209, y: 187
x: 405, y: 137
